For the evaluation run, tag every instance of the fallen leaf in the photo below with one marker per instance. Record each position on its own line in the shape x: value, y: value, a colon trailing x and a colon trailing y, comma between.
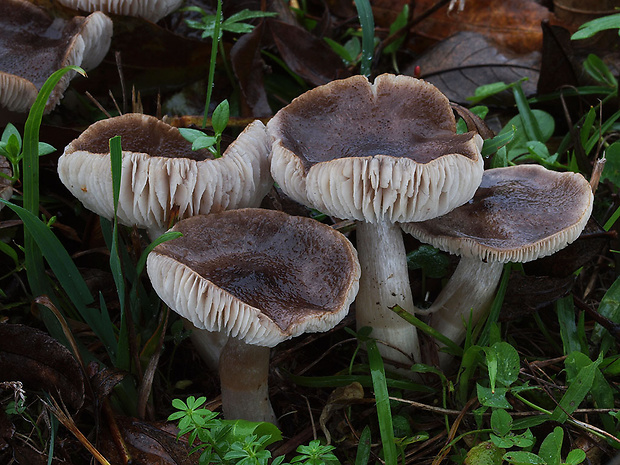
x: 528, y: 294
x: 307, y: 55
x: 148, y: 443
x: 467, y: 60
x: 40, y: 362
x: 510, y: 23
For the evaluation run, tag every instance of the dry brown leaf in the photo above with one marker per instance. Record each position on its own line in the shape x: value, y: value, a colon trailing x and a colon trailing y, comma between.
x: 512, y: 23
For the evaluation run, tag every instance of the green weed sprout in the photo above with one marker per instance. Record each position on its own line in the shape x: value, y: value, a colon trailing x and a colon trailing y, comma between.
x: 238, y: 442
x: 11, y: 148
x: 214, y: 26
x: 589, y: 29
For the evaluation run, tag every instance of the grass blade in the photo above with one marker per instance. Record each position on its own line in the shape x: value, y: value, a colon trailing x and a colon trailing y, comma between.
x: 530, y: 124
x: 384, y: 413
x: 412, y: 319
x: 35, y: 270
x: 367, y: 21
x: 363, y: 447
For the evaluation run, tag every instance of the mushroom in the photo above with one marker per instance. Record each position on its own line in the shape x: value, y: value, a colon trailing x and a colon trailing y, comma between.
x: 260, y: 277
x: 378, y: 153
x: 162, y: 177
x: 518, y: 214
x: 33, y: 45
x: 151, y: 10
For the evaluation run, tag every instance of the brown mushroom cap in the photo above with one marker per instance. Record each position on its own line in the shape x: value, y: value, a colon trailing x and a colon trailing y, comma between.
x: 33, y: 45
x: 152, y: 10
x: 259, y: 275
x: 519, y: 214
x: 161, y: 175
x: 373, y: 152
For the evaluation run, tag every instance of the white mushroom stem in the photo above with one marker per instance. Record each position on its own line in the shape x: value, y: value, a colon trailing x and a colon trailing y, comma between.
x: 384, y: 283
x: 208, y: 344
x: 467, y: 295
x: 244, y: 370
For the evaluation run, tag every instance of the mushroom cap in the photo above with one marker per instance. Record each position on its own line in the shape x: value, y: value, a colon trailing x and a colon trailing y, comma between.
x: 162, y: 177
x: 519, y: 213
x: 33, y: 45
x: 262, y: 276
x: 386, y: 151
x: 152, y: 10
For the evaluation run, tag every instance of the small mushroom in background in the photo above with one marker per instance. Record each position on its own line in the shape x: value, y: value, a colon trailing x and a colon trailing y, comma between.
x: 162, y: 177
x: 518, y: 214
x: 33, y: 45
x: 378, y: 153
x: 260, y: 277
x: 151, y: 10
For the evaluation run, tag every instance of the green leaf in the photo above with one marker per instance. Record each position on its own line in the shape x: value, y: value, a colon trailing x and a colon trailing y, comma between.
x: 609, y: 308
x: 204, y: 142
x: 116, y: 162
x: 523, y: 458
x: 167, y: 236
x: 490, y: 398
x: 399, y: 23
x: 191, y: 134
x: 219, y: 119
x: 506, y: 360
x: 596, y: 68
x: 59, y: 260
x: 525, y: 439
x: 491, y: 146
x: 45, y: 149
x: 240, y: 429
x: 367, y: 21
x: 612, y: 164
x: 501, y: 422
x: 568, y: 328
x: 433, y: 263
x: 246, y: 14
x: 518, y: 145
x: 576, y: 392
x: 485, y: 453
x: 488, y: 90
x: 587, y: 126
x: 37, y: 279
x: 551, y: 447
x: 590, y: 28
x: 601, y: 391
x: 8, y: 250
x: 348, y: 52
x: 575, y: 457
x: 363, y: 447
x: 382, y: 402
x: 530, y: 122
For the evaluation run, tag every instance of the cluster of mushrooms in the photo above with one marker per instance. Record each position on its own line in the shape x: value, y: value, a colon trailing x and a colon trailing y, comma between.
x: 385, y: 154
